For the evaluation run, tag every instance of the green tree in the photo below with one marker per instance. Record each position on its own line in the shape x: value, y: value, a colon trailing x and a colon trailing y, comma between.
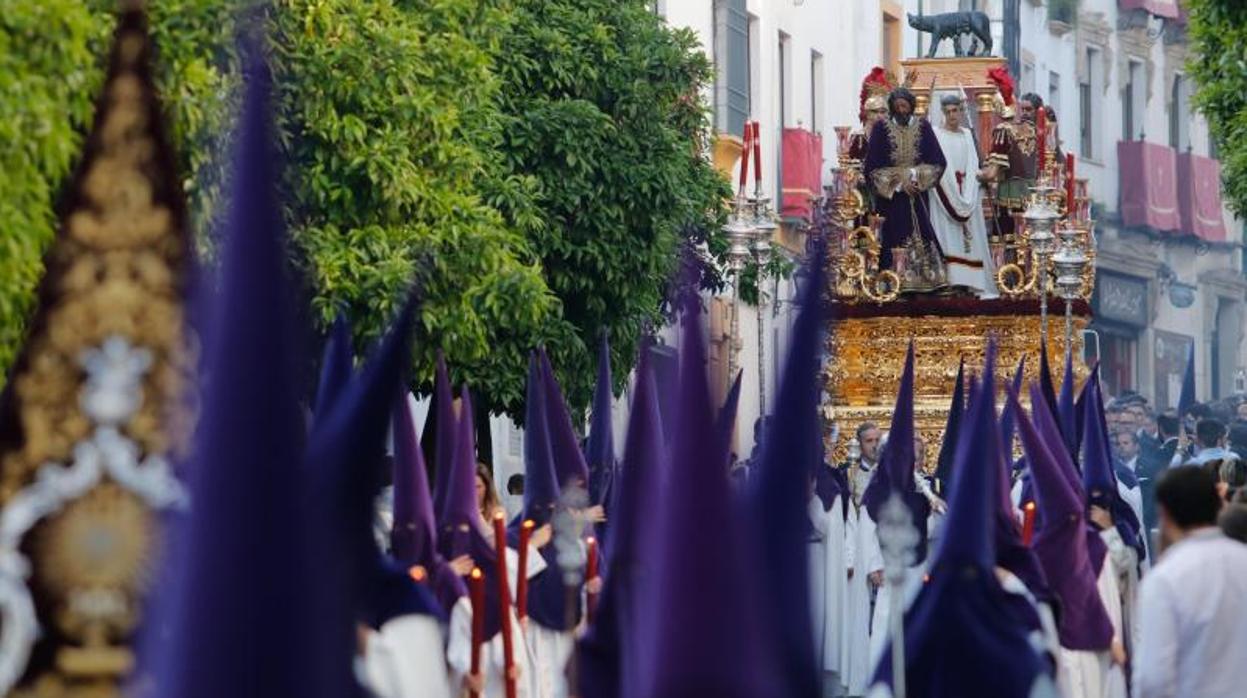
x: 535, y: 160
x: 1218, y: 34
x: 48, y: 76
x: 602, y: 106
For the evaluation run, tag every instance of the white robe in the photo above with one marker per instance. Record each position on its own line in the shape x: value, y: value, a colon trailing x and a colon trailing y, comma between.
x: 493, y: 652
x: 551, y: 649
x: 957, y: 214
x: 1087, y: 674
x: 828, y: 582
x: 406, y: 658
x: 862, y: 556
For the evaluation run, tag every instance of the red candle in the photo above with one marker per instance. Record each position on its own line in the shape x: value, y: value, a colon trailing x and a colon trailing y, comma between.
x: 591, y: 572
x: 476, y: 588
x: 521, y: 583
x: 757, y: 153
x: 1028, y: 523
x: 1041, y: 131
x: 504, y: 603
x: 744, y: 155
x: 1069, y: 184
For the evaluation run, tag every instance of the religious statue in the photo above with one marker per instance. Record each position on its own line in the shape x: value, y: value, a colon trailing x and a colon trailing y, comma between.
x: 872, y: 108
x: 1014, y: 159
x: 958, y: 214
x: 903, y: 162
x: 954, y: 25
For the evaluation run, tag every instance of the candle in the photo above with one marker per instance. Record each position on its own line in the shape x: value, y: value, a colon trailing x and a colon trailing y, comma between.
x: 1028, y: 523
x: 744, y: 155
x: 1069, y: 184
x: 417, y: 573
x: 476, y: 587
x: 521, y: 583
x: 591, y: 572
x: 757, y: 154
x: 1041, y: 136
x: 504, y: 603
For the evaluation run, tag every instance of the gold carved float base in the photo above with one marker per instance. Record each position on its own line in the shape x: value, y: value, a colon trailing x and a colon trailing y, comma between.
x: 867, y: 346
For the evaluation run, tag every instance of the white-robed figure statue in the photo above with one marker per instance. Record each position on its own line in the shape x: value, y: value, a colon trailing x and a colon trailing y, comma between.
x: 828, y: 516
x: 957, y: 211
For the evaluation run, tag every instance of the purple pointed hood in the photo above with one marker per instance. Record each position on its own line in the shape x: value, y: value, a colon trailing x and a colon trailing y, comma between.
x: 1046, y: 384
x: 1008, y: 420
x: 1065, y: 410
x: 442, y: 414
x: 962, y: 611
x: 896, y: 464
x: 541, y: 487
x: 242, y: 573
x: 600, y: 447
x: 569, y: 461
x: 1098, y: 477
x: 694, y: 647
x: 944, y: 464
x: 335, y: 366
x: 461, y: 531
x: 610, y: 655
x: 414, y: 537
x: 1061, y: 544
x: 725, y: 424
x: 790, y: 458
x: 1186, y: 397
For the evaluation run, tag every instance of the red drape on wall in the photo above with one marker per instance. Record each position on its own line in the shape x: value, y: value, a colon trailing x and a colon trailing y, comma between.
x: 803, y: 172
x: 1149, y: 189
x: 1199, y: 197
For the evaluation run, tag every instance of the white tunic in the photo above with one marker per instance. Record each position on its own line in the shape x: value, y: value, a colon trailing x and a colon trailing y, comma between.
x: 861, y: 556
x: 1087, y: 674
x: 957, y: 214
x: 406, y: 659
x: 828, y: 582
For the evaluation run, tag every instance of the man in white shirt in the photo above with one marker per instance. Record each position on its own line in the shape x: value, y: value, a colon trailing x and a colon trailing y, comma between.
x: 1210, y: 437
x: 1193, y: 605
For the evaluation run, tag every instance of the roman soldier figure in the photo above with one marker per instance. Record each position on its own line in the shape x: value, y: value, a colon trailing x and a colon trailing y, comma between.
x: 1014, y: 159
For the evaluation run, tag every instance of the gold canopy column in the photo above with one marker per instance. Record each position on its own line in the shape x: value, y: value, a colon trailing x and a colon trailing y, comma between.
x: 95, y: 411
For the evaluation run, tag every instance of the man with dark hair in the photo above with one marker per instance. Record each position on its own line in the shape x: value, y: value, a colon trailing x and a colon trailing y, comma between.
x: 903, y: 161
x: 1154, y: 458
x: 1193, y: 605
x: 1210, y: 440
x: 1014, y: 164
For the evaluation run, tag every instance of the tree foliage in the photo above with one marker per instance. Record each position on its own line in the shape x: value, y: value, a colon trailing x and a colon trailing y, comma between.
x: 602, y: 106
x: 1218, y: 33
x: 531, y: 162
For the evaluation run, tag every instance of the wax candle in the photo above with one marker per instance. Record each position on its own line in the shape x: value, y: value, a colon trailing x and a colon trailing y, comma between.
x: 757, y: 154
x: 417, y: 573
x: 476, y: 589
x: 591, y: 572
x: 504, y: 603
x: 1041, y: 136
x: 1069, y: 184
x: 744, y: 155
x: 521, y: 583
x: 1028, y: 523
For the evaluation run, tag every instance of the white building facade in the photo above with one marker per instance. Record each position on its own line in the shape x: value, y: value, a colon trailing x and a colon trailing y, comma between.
x: 1170, y: 277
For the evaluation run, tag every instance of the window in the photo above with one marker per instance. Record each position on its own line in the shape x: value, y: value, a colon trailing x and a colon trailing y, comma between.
x: 817, y: 108
x: 785, y: 78
x: 890, y: 48
x: 1028, y: 77
x: 1090, y: 88
x: 1180, y: 114
x: 1117, y: 352
x: 731, y: 57
x: 1133, y: 102
x: 1054, y: 93
x: 658, y: 7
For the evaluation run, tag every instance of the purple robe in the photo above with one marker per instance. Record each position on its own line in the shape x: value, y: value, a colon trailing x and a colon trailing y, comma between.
x: 896, y: 154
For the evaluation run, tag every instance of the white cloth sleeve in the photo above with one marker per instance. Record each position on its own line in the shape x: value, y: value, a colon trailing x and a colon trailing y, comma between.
x: 1156, y: 656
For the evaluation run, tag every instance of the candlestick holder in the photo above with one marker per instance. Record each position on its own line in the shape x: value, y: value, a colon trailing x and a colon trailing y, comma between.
x: 764, y: 227
x: 739, y: 235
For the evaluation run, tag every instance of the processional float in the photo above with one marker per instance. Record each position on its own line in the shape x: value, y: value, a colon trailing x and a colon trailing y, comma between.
x: 1044, y: 261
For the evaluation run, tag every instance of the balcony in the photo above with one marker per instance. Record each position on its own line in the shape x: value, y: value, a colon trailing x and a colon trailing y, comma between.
x: 1199, y: 197
x: 1149, y: 187
x: 803, y: 172
x: 1160, y: 8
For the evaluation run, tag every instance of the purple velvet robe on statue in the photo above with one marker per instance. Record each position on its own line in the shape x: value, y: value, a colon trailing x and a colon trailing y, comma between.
x: 895, y: 155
